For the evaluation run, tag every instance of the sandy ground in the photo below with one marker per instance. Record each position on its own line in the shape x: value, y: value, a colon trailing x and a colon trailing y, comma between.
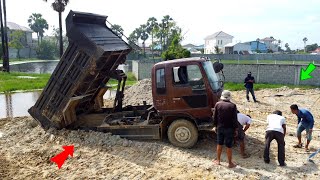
x: 26, y: 149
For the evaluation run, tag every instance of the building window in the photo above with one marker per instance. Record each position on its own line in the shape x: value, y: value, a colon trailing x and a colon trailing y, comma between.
x: 221, y: 42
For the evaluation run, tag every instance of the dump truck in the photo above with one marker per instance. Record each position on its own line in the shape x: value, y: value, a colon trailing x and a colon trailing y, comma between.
x: 184, y: 91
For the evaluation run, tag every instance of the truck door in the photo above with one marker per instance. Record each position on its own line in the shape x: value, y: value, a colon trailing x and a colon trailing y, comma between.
x: 160, y: 89
x: 188, y: 90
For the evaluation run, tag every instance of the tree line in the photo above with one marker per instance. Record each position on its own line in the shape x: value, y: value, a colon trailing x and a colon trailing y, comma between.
x: 165, y: 37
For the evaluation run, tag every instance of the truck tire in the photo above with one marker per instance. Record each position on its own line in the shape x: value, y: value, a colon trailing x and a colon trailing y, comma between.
x: 183, y: 133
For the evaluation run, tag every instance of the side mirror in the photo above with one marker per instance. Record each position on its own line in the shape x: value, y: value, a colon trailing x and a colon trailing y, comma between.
x: 217, y: 67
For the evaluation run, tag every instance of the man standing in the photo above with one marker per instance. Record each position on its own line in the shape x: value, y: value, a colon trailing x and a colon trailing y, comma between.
x: 249, y: 80
x: 225, y: 119
x: 244, y: 124
x: 305, y: 122
x: 276, y: 130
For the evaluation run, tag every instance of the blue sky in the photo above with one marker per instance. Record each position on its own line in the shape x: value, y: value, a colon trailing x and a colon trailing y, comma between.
x: 287, y: 20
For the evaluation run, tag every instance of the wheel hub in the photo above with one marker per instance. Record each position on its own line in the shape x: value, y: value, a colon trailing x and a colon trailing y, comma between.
x: 182, y: 134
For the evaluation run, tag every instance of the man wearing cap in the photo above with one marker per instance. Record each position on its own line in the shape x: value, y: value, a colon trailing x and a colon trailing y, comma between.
x: 225, y: 120
x: 249, y: 80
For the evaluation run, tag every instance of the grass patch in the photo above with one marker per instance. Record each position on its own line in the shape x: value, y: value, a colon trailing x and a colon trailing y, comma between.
x: 11, y: 82
x: 240, y: 86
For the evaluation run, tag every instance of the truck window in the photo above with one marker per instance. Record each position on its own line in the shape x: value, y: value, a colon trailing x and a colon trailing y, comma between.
x: 188, y: 75
x: 195, y: 77
x: 160, y: 81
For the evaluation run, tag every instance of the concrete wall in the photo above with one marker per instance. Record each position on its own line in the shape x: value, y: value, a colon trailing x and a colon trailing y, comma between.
x: 271, y: 73
x: 290, y: 57
x: 142, y: 68
x: 24, y: 53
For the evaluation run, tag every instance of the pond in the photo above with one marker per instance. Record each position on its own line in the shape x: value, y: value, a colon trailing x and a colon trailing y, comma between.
x: 35, y: 67
x: 42, y: 67
x: 17, y: 104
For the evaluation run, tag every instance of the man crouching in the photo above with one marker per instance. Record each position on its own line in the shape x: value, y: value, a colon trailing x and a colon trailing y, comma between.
x: 276, y: 130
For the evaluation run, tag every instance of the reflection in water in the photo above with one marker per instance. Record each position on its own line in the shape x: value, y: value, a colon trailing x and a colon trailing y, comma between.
x: 9, y: 105
x: 44, y: 67
x: 35, y: 67
x: 17, y: 104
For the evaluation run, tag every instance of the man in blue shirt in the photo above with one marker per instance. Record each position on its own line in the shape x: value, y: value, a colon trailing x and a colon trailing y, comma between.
x: 249, y: 80
x: 305, y: 122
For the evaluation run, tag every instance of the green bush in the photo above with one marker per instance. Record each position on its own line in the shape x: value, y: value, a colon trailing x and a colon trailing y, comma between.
x: 175, y: 50
x: 131, y: 76
x: 46, y: 50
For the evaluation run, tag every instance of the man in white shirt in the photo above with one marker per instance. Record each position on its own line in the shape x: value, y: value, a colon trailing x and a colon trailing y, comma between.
x: 276, y: 130
x: 244, y: 124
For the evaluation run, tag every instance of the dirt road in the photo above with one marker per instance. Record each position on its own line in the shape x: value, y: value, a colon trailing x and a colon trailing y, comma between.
x: 26, y: 149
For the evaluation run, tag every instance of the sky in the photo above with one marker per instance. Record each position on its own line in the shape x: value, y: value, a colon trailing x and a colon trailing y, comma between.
x: 246, y: 20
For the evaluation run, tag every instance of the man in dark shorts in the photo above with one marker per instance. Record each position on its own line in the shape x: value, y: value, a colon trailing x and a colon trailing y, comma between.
x: 225, y: 119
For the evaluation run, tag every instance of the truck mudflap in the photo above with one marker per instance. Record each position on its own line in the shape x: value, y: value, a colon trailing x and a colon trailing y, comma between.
x: 76, y: 85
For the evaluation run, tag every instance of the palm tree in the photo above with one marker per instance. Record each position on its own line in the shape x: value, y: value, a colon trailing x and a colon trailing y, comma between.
x: 59, y: 6
x: 258, y: 41
x: 142, y: 32
x: 305, y: 40
x: 152, y: 26
x: 287, y: 47
x: 38, y: 25
x: 279, y: 45
x: 166, y: 25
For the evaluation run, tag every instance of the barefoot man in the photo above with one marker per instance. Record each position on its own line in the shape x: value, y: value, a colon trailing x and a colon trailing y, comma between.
x: 305, y: 122
x: 225, y: 120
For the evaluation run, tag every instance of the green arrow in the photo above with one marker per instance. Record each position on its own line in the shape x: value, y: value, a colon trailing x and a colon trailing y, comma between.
x: 305, y: 74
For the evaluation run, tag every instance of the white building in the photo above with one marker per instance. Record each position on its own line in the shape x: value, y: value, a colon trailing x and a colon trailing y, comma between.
x: 219, y: 39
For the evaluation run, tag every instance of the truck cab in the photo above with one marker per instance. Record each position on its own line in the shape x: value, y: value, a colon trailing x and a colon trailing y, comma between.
x: 184, y: 92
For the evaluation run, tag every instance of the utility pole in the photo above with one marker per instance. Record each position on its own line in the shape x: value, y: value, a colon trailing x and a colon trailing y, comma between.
x: 4, y: 39
x: 6, y: 34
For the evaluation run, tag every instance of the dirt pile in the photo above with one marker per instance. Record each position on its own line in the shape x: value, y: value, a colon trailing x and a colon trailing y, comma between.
x: 26, y: 149
x: 138, y: 93
x: 135, y: 95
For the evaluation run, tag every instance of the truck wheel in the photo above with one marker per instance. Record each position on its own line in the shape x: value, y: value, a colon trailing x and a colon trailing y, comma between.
x: 183, y: 133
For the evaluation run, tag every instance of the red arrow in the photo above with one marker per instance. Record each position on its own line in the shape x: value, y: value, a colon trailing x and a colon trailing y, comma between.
x: 61, y: 157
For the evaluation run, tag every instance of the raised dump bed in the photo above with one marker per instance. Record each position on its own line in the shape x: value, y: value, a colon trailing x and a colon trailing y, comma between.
x: 78, y: 82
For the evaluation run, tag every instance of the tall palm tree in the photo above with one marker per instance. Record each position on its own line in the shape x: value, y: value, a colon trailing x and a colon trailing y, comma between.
x: 258, y: 41
x: 167, y: 22
x: 143, y: 36
x: 59, y: 6
x: 152, y: 26
x: 305, y: 39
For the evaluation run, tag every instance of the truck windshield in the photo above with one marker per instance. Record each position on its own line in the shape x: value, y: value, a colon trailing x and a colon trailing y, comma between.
x: 212, y: 76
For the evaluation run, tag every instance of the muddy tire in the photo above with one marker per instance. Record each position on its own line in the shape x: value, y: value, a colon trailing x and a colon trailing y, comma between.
x: 183, y: 133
